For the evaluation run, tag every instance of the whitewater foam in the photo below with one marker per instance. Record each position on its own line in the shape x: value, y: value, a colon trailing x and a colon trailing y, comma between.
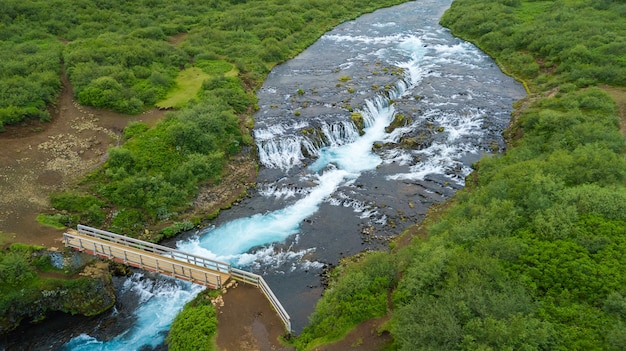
x: 160, y: 301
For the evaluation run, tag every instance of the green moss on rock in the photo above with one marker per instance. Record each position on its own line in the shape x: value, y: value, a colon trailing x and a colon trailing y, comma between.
x: 399, y: 120
x: 90, y: 294
x: 357, y: 118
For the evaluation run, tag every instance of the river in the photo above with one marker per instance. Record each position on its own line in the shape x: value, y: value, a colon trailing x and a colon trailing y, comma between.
x: 327, y: 189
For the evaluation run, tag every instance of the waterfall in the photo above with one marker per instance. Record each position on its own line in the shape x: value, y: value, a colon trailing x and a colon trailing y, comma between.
x: 343, y: 158
x: 322, y: 184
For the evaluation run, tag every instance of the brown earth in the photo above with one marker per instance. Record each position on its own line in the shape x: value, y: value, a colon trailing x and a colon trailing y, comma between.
x: 247, y: 322
x: 366, y: 336
x: 39, y: 158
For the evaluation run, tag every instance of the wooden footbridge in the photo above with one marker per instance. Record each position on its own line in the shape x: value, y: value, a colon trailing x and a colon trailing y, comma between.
x: 166, y: 261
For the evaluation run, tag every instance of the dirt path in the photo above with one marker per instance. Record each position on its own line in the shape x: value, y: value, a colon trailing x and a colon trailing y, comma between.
x: 38, y: 158
x: 247, y: 322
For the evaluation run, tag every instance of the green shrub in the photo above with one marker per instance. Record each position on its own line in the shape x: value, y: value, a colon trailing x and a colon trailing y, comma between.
x: 174, y: 229
x: 56, y: 220
x: 214, y: 67
x: 74, y: 201
x: 360, y: 294
x: 15, y: 269
x: 134, y: 128
x: 229, y: 90
x: 195, y: 327
x: 128, y: 221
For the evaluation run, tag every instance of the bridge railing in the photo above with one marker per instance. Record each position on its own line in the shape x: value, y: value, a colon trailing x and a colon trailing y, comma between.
x: 155, y: 263
x: 156, y: 249
x: 237, y: 274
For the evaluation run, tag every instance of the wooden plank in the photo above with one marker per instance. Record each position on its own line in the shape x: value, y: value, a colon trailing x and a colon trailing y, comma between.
x: 150, y: 247
x: 149, y: 261
x: 165, y: 260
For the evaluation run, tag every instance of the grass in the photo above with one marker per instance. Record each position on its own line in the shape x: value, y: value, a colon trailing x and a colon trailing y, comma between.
x: 216, y: 67
x: 529, y: 10
x: 619, y: 96
x: 53, y: 221
x: 188, y: 83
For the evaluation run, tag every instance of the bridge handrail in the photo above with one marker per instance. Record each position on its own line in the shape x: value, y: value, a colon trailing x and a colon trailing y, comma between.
x: 258, y: 281
x: 155, y: 248
x: 178, y: 255
x: 216, y: 279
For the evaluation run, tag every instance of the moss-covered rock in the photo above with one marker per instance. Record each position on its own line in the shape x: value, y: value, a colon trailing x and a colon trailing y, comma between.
x: 357, y: 118
x: 399, y: 120
x: 88, y: 293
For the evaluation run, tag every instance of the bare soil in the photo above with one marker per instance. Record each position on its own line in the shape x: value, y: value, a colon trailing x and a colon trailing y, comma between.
x: 39, y: 158
x: 367, y: 336
x: 247, y: 322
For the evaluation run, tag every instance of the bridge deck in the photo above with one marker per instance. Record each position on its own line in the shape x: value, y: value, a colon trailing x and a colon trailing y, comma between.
x: 122, y: 252
x: 165, y: 260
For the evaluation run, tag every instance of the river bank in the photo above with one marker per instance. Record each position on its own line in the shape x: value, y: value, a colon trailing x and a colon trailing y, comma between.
x: 52, y: 156
x: 394, y: 207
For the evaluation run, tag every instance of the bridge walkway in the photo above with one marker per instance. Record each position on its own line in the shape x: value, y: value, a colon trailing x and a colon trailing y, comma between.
x: 164, y: 260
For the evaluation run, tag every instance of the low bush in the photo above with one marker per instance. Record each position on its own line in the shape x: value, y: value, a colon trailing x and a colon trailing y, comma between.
x: 195, y: 327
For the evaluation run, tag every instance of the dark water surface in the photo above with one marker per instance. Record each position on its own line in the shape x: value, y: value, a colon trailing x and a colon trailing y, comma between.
x: 455, y: 97
x: 325, y: 190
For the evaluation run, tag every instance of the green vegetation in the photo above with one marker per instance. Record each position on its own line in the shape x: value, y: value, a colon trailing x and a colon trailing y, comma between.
x: 195, y: 327
x: 172, y: 230
x: 129, y: 58
x: 399, y: 120
x: 29, y: 76
x: 87, y: 209
x: 187, y: 85
x: 126, y: 57
x: 53, y: 220
x: 190, y: 80
x: 25, y: 293
x: 345, y: 79
x: 366, y: 285
x: 531, y: 255
x: 359, y: 122
x: 15, y: 269
x: 204, y: 58
x: 550, y: 43
x: 123, y: 73
x: 155, y: 172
